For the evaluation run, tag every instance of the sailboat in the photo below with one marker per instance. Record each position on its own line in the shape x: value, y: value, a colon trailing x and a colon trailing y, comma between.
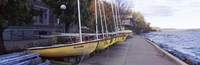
x: 105, y: 41
x: 77, y: 48
x: 115, y: 35
x: 82, y: 43
x: 122, y: 34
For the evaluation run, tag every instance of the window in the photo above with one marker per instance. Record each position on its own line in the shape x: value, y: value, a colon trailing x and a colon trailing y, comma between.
x: 43, y: 17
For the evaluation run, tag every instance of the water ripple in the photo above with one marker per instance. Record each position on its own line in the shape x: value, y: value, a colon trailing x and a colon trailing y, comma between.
x: 184, y: 44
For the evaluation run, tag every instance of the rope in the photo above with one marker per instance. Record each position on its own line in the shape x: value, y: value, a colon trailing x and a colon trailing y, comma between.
x: 83, y: 57
x: 71, y: 39
x: 86, y: 48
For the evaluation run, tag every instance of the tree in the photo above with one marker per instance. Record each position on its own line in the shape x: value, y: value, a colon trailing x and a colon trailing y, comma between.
x: 109, y: 16
x: 87, y: 12
x: 140, y: 25
x: 13, y: 12
x: 66, y: 16
x: 70, y: 15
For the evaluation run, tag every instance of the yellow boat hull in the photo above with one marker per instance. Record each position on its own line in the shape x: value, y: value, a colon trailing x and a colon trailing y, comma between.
x: 118, y: 39
x: 121, y: 38
x: 108, y: 41
x: 69, y: 50
x: 103, y: 44
x: 113, y: 40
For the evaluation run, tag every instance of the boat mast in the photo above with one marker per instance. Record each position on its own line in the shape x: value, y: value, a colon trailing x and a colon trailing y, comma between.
x: 113, y: 16
x: 102, y: 28
x: 116, y: 18
x: 79, y: 20
x: 96, y: 19
x: 119, y: 19
x: 105, y: 19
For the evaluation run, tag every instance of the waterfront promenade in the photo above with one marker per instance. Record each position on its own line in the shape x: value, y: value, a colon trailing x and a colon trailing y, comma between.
x: 134, y: 51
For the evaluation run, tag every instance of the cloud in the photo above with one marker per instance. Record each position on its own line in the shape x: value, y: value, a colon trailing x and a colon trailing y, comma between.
x: 169, y: 13
x: 159, y: 11
x: 163, y: 7
x: 155, y: 7
x: 189, y: 2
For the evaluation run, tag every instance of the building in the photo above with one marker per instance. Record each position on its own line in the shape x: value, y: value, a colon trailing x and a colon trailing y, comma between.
x: 127, y: 23
x: 44, y: 24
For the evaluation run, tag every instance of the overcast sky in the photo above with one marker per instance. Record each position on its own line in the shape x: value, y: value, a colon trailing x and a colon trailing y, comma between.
x: 182, y: 14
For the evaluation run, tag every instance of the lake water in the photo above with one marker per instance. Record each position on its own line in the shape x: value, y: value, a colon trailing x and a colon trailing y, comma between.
x: 183, y: 44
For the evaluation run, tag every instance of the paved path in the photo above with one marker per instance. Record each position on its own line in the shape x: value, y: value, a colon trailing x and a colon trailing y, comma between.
x: 133, y: 51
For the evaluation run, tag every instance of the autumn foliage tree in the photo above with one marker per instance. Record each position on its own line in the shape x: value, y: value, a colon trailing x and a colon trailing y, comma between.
x: 87, y: 12
x: 140, y: 25
x: 70, y: 15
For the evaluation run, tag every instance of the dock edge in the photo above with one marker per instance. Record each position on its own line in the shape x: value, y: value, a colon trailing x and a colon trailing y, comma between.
x: 168, y: 55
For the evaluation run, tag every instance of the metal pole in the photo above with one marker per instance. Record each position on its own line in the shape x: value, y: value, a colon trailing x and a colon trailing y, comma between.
x: 116, y: 18
x: 102, y: 28
x: 79, y: 20
x: 105, y: 19
x: 96, y: 19
x: 63, y: 21
x: 119, y: 17
x: 113, y: 16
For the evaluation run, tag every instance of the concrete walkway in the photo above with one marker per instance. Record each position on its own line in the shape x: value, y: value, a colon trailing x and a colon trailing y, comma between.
x: 133, y: 51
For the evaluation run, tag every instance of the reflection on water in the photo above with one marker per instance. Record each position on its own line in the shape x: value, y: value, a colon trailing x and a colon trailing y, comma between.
x: 183, y: 44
